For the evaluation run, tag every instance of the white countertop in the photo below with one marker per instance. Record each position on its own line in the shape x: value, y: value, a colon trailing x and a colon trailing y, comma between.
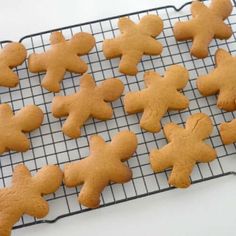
x: 207, y: 208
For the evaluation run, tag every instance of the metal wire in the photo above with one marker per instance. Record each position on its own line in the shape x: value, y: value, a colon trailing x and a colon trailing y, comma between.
x: 50, y: 146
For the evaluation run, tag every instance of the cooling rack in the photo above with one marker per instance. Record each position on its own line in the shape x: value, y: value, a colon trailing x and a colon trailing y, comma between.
x: 50, y: 146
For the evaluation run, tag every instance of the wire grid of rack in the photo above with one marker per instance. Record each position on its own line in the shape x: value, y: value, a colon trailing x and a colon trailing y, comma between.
x: 50, y: 146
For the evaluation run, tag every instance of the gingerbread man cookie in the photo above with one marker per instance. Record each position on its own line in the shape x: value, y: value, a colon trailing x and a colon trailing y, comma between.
x: 222, y: 80
x: 25, y: 195
x: 207, y: 23
x: 12, y: 127
x: 103, y: 165
x: 185, y: 148
x: 12, y: 55
x: 135, y: 41
x: 61, y: 57
x: 228, y: 132
x: 90, y: 101
x: 159, y: 96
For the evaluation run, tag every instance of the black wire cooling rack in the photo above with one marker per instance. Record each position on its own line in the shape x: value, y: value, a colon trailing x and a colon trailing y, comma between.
x: 50, y: 146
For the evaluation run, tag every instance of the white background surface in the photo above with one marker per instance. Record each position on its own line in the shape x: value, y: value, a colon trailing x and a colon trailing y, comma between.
x: 204, y: 209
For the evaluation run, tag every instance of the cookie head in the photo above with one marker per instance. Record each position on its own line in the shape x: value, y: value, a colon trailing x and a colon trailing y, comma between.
x: 151, y: 24
x: 124, y: 144
x: 14, y: 54
x: 222, y: 8
x: 48, y: 179
x: 200, y: 124
x: 178, y: 76
x: 82, y: 43
x: 111, y: 89
x: 29, y: 117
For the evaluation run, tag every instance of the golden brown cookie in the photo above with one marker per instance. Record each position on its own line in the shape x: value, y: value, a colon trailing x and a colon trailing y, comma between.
x: 24, y: 196
x: 228, y: 132
x: 12, y: 55
x: 160, y: 95
x: 222, y: 80
x: 207, y: 23
x: 61, y: 57
x: 12, y: 127
x: 89, y: 101
x: 135, y: 41
x: 185, y: 148
x: 103, y: 165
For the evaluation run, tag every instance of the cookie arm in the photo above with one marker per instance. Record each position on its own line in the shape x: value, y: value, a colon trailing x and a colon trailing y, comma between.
x: 20, y: 173
x: 8, y: 78
x: 208, y: 85
x: 74, y: 173
x: 205, y: 153
x: 134, y: 102
x: 125, y: 24
x: 162, y: 159
x: 228, y: 132
x: 197, y: 7
x: 184, y: 30
x: 17, y: 142
x: 111, y: 48
x: 170, y: 129
x: 37, y: 62
x: 61, y: 105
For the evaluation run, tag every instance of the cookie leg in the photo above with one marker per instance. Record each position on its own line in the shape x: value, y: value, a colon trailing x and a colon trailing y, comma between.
x: 52, y: 79
x: 200, y: 45
x: 178, y: 102
x: 228, y: 132
x: 6, y: 226
x: 76, y: 65
x: 223, y: 31
x: 37, y: 207
x: 89, y: 195
x: 161, y: 159
x: 102, y: 111
x: 206, y: 153
x: 73, y: 124
x: 129, y: 61
x: 180, y: 175
x: 150, y: 120
x: 120, y: 173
